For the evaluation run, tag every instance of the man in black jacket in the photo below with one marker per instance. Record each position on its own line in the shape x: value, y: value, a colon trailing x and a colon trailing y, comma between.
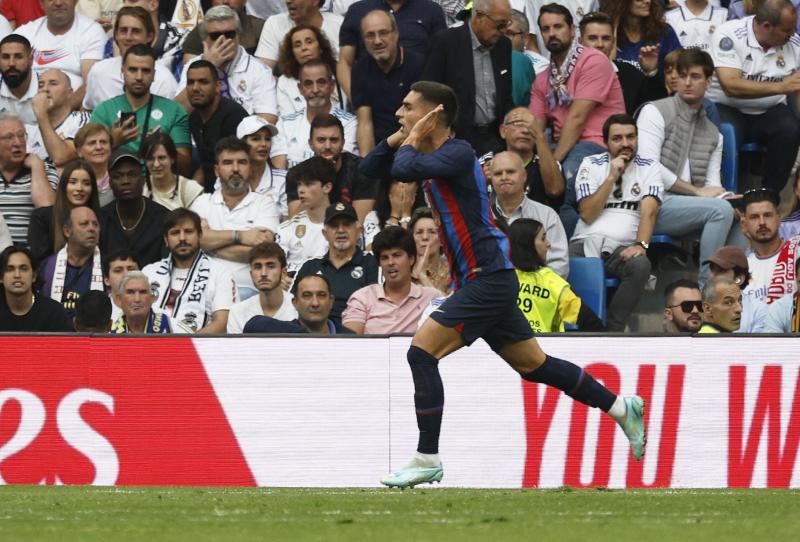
x: 475, y: 61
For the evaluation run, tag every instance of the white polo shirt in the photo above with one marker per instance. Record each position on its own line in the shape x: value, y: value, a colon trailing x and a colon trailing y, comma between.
x: 22, y: 107
x: 105, y: 82
x: 302, y: 240
x: 254, y: 211
x: 619, y: 220
x: 66, y: 131
x: 243, y: 311
x: 696, y: 30
x: 276, y: 27
x: 294, y: 130
x: 250, y: 83
x: 735, y: 46
x: 86, y: 40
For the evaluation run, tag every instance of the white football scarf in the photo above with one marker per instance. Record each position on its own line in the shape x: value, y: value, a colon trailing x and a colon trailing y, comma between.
x: 60, y: 274
x: 190, y: 306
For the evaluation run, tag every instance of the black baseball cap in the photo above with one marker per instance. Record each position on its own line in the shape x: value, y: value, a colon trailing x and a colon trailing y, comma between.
x: 123, y: 154
x: 340, y: 209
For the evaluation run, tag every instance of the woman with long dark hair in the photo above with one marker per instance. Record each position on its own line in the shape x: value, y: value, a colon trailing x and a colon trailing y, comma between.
x: 640, y: 24
x: 546, y: 299
x: 163, y: 184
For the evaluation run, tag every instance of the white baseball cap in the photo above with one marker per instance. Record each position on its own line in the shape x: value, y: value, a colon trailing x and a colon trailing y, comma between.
x: 253, y: 124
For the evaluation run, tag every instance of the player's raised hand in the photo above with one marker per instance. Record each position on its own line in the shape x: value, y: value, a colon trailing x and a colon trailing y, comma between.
x: 425, y: 125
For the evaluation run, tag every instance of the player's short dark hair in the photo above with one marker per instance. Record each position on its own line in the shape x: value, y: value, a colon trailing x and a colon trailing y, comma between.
x: 140, y: 49
x: 595, y: 17
x: 556, y: 9
x: 230, y: 144
x: 669, y: 291
x: 326, y: 120
x: 521, y: 235
x: 438, y: 93
x: 314, y: 64
x: 296, y: 286
x: 689, y: 58
x: 175, y: 216
x: 16, y: 38
x: 313, y: 169
x: 93, y: 312
x: 119, y: 255
x: 203, y: 63
x: 619, y: 118
x: 267, y: 250
x: 137, y: 12
x: 757, y: 195
x: 394, y: 237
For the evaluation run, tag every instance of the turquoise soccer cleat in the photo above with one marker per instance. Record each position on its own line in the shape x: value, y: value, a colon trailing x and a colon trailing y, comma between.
x: 411, y: 476
x: 633, y: 425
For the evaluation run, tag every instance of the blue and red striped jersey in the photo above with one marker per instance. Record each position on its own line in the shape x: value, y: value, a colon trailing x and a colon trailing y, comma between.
x: 455, y: 188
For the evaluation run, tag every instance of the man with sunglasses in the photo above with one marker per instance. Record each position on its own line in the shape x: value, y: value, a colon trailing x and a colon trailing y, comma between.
x: 683, y: 307
x: 475, y: 61
x: 619, y: 194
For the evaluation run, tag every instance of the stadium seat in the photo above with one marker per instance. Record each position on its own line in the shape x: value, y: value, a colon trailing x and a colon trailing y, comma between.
x: 730, y: 156
x: 587, y: 276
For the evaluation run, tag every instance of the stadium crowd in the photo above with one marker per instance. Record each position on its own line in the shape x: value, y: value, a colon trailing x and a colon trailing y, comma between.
x: 196, y: 166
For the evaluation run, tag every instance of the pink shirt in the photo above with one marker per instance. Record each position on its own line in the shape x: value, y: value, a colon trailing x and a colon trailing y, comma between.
x: 380, y: 315
x: 593, y: 78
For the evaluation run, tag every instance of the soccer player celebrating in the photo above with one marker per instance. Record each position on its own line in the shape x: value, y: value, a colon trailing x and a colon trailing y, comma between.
x: 485, y: 302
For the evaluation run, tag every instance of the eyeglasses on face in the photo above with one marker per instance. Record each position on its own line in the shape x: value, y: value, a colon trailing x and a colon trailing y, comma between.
x: 500, y: 25
x: 687, y: 306
x: 229, y: 34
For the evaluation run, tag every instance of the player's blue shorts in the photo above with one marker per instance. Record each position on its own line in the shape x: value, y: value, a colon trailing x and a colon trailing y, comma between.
x: 486, y: 308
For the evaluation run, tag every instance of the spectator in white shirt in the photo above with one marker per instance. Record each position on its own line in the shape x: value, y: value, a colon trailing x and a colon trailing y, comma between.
x: 20, y: 82
x: 695, y: 22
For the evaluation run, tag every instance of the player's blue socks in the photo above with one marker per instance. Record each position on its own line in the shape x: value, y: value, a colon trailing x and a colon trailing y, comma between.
x: 574, y: 381
x: 428, y: 398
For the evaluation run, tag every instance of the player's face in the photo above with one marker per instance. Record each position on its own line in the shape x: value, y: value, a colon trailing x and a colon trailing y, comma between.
x: 541, y: 244
x: 96, y: 149
x: 12, y: 141
x: 183, y: 240
x: 313, y: 194
x: 78, y: 187
x: 327, y: 142
x: 19, y: 275
x: 159, y: 163
x: 316, y: 85
x: 426, y: 236
x: 380, y: 39
x: 260, y: 145
x: 201, y: 87
x: 136, y: 299
x: 686, y: 320
x: 233, y: 170
x: 508, y: 176
x: 126, y: 180
x: 761, y: 221
x: 15, y: 64
x: 117, y: 270
x: 693, y: 84
x: 305, y: 46
x: 138, y: 73
x: 556, y: 32
x: 85, y: 229
x: 726, y: 310
x: 411, y: 110
x: 130, y: 31
x: 313, y: 301
x: 396, y: 265
x: 622, y: 140
x: 56, y: 86
x: 598, y: 36
x: 342, y: 233
x: 267, y: 273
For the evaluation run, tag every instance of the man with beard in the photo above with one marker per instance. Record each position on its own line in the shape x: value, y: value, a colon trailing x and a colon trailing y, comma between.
x: 213, y: 116
x: 683, y: 307
x: 619, y: 194
x: 475, y: 61
x: 579, y: 94
x: 167, y: 39
x: 771, y: 258
x: 137, y: 112
x: 20, y: 82
x: 316, y: 85
x: 131, y: 222
x: 349, y: 185
x: 234, y: 218
x: 131, y: 27
x: 193, y: 289
x: 76, y: 268
x: 722, y: 306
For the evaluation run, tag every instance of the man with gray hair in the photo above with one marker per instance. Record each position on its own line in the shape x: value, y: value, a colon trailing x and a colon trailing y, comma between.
x: 136, y: 301
x: 756, y: 60
x: 251, y: 30
x: 244, y: 79
x: 722, y: 306
x: 522, y: 40
x: 381, y: 78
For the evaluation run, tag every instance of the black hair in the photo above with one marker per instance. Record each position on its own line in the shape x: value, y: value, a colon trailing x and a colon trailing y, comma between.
x: 326, y: 120
x: 619, y: 118
x: 16, y: 249
x: 175, y: 216
x: 267, y: 249
x: 757, y: 195
x: 230, y: 144
x: 695, y: 57
x: 296, y: 285
x: 16, y: 38
x: 315, y: 168
x: 140, y: 49
x: 555, y: 9
x: 122, y: 254
x: 203, y: 63
x: 93, y: 311
x: 394, y: 237
x: 595, y: 17
x: 439, y: 94
x: 669, y: 291
x: 521, y: 236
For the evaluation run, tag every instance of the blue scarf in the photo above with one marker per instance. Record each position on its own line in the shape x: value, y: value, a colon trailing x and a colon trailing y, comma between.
x: 156, y: 323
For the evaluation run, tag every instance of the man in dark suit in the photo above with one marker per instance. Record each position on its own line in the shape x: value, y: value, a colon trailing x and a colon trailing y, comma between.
x: 475, y: 61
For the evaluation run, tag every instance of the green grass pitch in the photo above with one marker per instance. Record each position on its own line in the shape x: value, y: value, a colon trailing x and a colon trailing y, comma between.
x: 194, y: 514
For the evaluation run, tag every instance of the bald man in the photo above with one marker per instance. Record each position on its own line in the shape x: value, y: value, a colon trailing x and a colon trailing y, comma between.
x: 57, y: 122
x: 510, y: 202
